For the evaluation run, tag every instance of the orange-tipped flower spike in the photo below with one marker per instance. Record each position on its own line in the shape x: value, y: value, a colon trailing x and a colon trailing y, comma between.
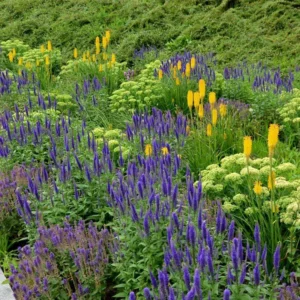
x: 214, y: 116
x: 164, y: 151
x: 201, y: 111
x: 104, y: 42
x: 193, y: 62
x: 190, y: 99
x: 148, y: 149
x: 188, y: 70
x: 75, y: 53
x: 49, y: 46
x: 97, y: 41
x: 223, y: 110
x: 160, y: 74
x: 10, y: 56
x: 179, y: 65
x: 47, y: 60
x: 271, y: 180
x: 257, y: 188
x: 247, y: 146
x: 107, y: 35
x: 113, y: 58
x: 212, y: 98
x: 273, y: 138
x: 202, y: 89
x: 209, y: 130
x: 196, y: 99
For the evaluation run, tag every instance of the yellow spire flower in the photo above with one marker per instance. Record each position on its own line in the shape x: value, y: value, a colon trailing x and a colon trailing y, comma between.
x: 104, y: 55
x: 104, y: 42
x: 20, y: 61
x: 84, y: 56
x: 188, y: 70
x: 107, y: 35
x: 97, y: 41
x: 247, y: 146
x: 14, y: 52
x: 273, y: 138
x: 190, y: 98
x: 148, y: 149
x: 97, y: 49
x: 75, y: 53
x: 49, y: 46
x: 42, y: 48
x: 164, y: 151
x: 212, y: 98
x: 37, y: 62
x: 160, y: 74
x: 201, y: 111
x: 187, y: 129
x: 202, y: 88
x: 174, y: 72
x: 113, y: 58
x: 28, y: 65
x: 47, y: 60
x: 177, y: 81
x: 209, y: 130
x: 214, y: 116
x: 193, y: 62
x: 179, y: 65
x: 100, y: 68
x: 223, y: 110
x: 88, y: 55
x: 94, y: 57
x: 196, y: 99
x: 257, y: 187
x: 10, y: 56
x: 271, y: 181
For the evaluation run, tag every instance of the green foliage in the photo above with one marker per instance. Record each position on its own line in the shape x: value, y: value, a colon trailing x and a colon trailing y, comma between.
x: 254, y: 33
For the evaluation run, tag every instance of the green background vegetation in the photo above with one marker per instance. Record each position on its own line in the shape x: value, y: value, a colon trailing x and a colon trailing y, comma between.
x: 235, y: 29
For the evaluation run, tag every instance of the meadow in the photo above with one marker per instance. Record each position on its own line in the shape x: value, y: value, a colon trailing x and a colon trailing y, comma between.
x: 148, y: 174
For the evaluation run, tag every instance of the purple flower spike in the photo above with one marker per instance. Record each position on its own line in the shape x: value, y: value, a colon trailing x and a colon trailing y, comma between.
x: 257, y: 237
x: 276, y: 259
x: 147, y: 293
x: 187, y: 278
x: 256, y: 275
x: 132, y: 296
x: 226, y: 295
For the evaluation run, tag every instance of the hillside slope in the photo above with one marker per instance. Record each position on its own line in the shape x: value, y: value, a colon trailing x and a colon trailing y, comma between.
x: 234, y: 29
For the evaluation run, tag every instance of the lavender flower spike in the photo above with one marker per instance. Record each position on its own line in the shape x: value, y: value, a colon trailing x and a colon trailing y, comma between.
x: 226, y: 295
x: 131, y: 296
x: 276, y: 259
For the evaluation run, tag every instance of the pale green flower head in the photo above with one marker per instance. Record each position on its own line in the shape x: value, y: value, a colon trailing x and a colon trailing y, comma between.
x: 249, y: 211
x: 98, y: 132
x: 213, y: 166
x: 281, y: 183
x: 240, y: 198
x: 111, y: 134
x: 229, y: 207
x: 265, y: 171
x: 113, y: 144
x: 229, y: 162
x: 285, y: 167
x: 234, y: 178
x: 252, y: 171
x: 213, y: 174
